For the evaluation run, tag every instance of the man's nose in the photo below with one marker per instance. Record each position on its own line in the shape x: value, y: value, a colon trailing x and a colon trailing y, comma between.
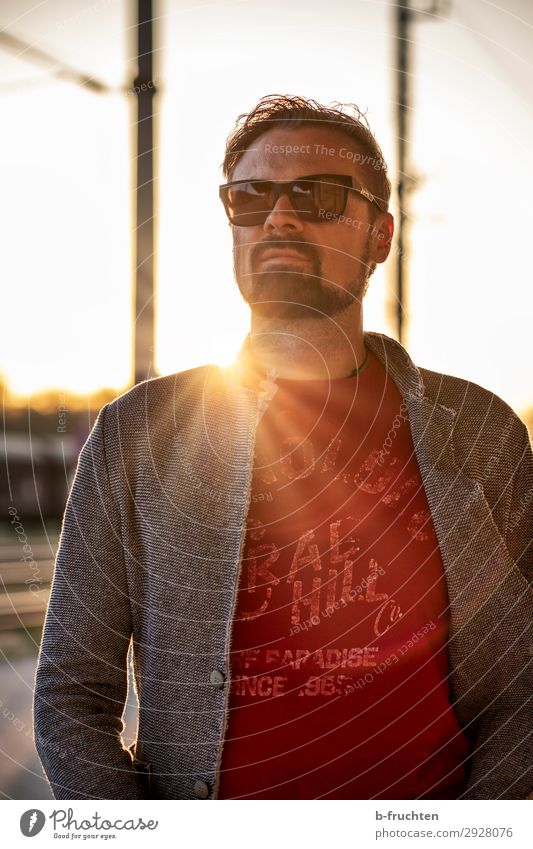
x: 283, y: 216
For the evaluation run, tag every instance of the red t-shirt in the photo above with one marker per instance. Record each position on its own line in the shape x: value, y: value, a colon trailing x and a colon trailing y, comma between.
x: 339, y: 656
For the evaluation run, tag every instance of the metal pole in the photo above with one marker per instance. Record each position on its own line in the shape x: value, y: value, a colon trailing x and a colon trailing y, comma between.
x: 23, y: 50
x: 402, y: 20
x: 144, y: 88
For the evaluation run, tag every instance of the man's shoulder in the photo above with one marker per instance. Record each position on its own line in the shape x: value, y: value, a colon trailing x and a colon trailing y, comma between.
x: 488, y: 433
x: 156, y: 393
x: 469, y: 402
x: 465, y: 397
x: 158, y: 405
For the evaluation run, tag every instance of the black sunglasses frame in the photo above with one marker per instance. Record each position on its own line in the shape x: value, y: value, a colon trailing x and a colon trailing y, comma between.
x: 278, y: 188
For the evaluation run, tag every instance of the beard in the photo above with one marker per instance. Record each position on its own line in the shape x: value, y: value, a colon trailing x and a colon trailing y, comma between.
x: 287, y: 294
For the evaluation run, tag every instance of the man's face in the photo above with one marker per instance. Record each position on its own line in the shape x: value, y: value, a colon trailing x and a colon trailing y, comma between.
x: 292, y: 268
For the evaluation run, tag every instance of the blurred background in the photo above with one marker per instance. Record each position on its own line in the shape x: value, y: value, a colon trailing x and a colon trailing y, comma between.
x: 116, y: 255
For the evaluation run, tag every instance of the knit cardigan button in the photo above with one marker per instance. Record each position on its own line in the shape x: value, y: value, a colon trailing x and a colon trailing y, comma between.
x: 201, y: 789
x: 217, y: 679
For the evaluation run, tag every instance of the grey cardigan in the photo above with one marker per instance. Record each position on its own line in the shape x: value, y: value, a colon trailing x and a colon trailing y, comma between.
x: 150, y: 551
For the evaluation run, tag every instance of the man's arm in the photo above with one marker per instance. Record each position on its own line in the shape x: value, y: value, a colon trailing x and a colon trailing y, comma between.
x: 513, y: 763
x: 81, y: 680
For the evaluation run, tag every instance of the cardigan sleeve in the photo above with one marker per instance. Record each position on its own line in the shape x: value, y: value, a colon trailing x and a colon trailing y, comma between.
x: 81, y: 679
x: 519, y: 526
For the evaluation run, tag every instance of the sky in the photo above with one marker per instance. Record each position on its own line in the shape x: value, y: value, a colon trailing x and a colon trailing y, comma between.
x: 66, y: 174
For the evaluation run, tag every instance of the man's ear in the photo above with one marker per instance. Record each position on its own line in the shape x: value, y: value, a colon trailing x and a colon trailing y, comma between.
x: 381, y: 233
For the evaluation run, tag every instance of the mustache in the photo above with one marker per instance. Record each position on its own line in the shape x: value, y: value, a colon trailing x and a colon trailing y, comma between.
x: 307, y: 249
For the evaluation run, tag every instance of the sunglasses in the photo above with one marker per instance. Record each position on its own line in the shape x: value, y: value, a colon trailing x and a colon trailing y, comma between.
x: 319, y: 197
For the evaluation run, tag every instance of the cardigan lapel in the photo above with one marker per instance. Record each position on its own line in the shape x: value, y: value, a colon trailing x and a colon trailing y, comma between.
x: 481, y: 576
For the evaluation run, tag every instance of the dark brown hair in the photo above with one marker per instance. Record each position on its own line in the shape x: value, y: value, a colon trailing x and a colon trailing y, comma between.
x: 281, y: 110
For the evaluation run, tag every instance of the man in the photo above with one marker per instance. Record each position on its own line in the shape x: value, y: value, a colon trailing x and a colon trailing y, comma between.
x: 320, y: 555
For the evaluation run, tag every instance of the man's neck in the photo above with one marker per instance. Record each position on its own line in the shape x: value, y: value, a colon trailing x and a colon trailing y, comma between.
x: 309, y: 350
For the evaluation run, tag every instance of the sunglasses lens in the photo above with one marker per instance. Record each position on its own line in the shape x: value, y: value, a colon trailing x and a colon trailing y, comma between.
x: 312, y: 198
x: 250, y: 203
x: 329, y: 196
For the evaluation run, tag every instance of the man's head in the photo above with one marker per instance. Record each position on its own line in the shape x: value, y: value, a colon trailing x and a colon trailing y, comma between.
x: 333, y: 254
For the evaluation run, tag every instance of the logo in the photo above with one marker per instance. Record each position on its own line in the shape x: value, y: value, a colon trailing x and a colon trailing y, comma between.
x: 31, y: 822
